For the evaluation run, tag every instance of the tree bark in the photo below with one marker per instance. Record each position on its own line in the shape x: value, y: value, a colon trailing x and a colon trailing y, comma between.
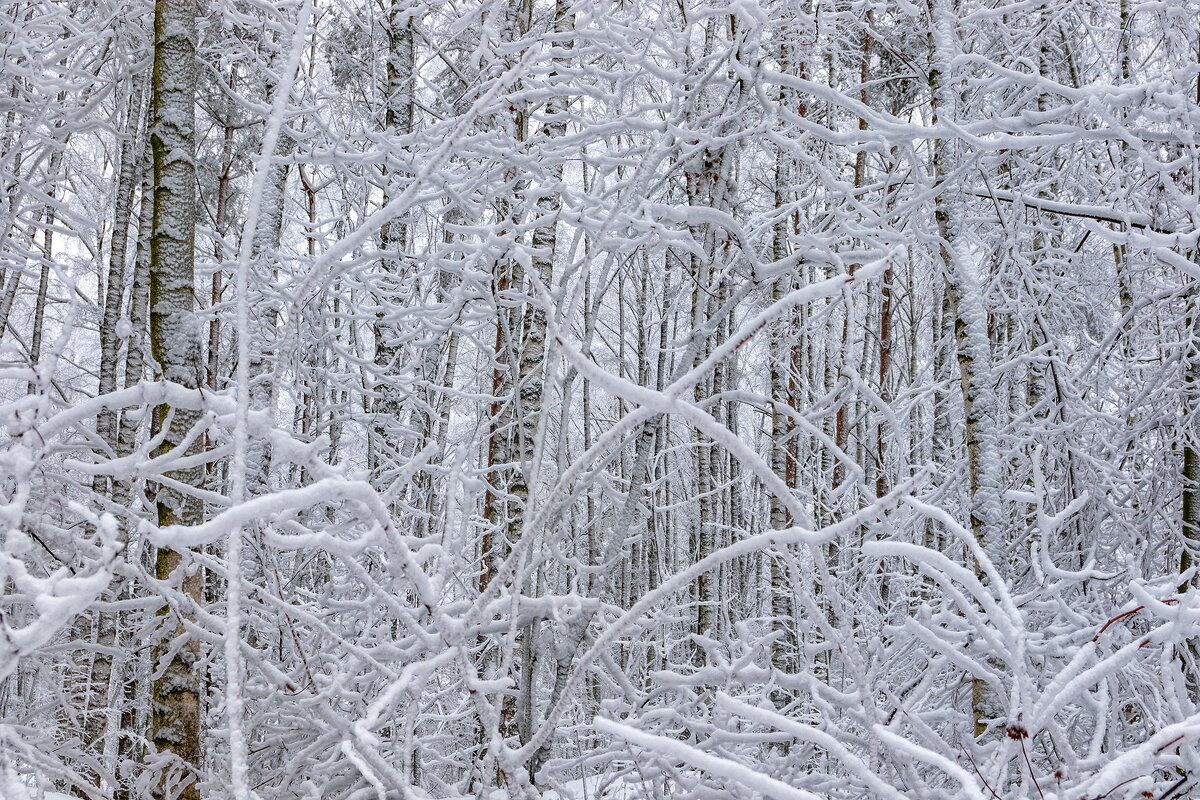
x: 128, y: 169
x: 175, y: 344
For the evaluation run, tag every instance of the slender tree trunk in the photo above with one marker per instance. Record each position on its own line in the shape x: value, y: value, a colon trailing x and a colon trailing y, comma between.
x: 531, y: 369
x: 971, y: 335
x: 10, y: 295
x: 387, y: 442
x: 107, y: 674
x: 785, y: 646
x: 1190, y: 553
x: 130, y: 161
x: 39, y: 302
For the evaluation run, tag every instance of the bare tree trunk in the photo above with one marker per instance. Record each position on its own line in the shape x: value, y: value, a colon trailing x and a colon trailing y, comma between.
x: 971, y: 336
x: 107, y: 679
x: 128, y: 171
x: 6, y: 302
x: 1190, y: 553
x: 175, y: 343
x: 531, y: 370
x: 785, y: 646
x: 138, y: 315
x: 39, y: 303
x: 387, y: 439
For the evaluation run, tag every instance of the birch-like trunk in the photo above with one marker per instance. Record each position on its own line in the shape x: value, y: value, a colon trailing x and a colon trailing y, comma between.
x: 964, y: 294
x: 130, y: 161
x: 785, y: 646
x: 175, y: 344
x: 387, y: 439
x: 107, y: 673
x: 1190, y: 553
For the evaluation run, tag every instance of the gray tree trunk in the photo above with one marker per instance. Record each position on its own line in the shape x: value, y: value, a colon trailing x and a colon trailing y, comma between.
x: 175, y: 344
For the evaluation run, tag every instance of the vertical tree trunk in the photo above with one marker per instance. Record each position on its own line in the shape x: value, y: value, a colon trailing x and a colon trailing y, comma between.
x: 10, y: 295
x: 785, y: 646
x: 107, y: 674
x: 39, y: 302
x: 531, y: 369
x: 130, y: 160
x: 1190, y: 553
x: 175, y: 343
x: 387, y: 439
x: 138, y: 315
x: 263, y: 341
x: 966, y: 307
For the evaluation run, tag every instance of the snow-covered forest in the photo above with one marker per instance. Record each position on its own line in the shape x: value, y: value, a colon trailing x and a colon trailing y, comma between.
x: 582, y: 399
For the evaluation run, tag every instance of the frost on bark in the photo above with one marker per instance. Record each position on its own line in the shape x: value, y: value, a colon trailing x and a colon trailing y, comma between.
x: 964, y: 294
x: 1190, y: 511
x: 396, y: 285
x: 519, y: 355
x: 129, y: 162
x: 1190, y: 501
x: 175, y: 345
x: 505, y: 501
x: 107, y: 671
x: 265, y: 319
x: 1189, y: 556
x: 785, y: 645
x: 709, y: 183
x: 531, y: 364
